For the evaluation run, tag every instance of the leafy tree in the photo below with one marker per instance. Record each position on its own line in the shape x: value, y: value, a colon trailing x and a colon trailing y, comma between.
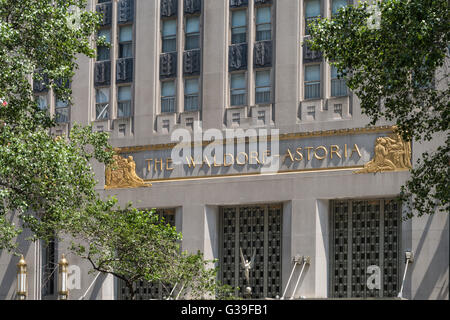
x: 48, y: 181
x: 393, y: 55
x: 44, y: 180
x: 137, y: 245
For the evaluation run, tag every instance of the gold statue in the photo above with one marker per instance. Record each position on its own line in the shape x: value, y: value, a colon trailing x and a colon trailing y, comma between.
x: 391, y: 154
x: 122, y: 174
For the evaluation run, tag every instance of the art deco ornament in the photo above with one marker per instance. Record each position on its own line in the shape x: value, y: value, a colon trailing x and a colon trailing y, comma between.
x: 122, y: 174
x: 392, y: 153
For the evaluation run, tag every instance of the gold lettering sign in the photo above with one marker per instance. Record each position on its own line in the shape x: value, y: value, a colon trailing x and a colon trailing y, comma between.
x: 122, y: 174
x: 391, y: 154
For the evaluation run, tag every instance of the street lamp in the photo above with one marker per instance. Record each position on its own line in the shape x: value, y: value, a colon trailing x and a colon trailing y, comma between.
x: 22, y: 279
x: 62, y: 278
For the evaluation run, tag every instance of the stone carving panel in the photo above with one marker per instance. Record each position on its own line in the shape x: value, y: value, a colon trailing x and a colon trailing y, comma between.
x: 106, y: 10
x: 263, y: 54
x: 191, y: 62
x: 102, y: 73
x: 237, y: 57
x: 238, y: 3
x: 169, y: 8
x: 125, y: 11
x: 192, y: 6
x: 124, y: 72
x: 168, y: 65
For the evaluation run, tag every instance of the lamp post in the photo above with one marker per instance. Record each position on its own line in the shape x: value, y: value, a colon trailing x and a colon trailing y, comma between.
x: 22, y: 279
x: 63, y: 292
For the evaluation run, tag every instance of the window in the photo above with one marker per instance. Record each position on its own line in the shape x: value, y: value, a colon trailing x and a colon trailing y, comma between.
x: 192, y: 40
x: 263, y: 24
x: 103, y: 52
x: 49, y: 268
x: 124, y: 102
x: 42, y: 102
x: 239, y: 27
x: 262, y: 87
x: 169, y: 36
x: 238, y: 95
x: 365, y: 241
x: 338, y: 4
x: 338, y: 86
x: 312, y: 11
x: 312, y: 81
x: 102, y: 103
x: 61, y: 111
x: 257, y: 231
x: 126, y: 42
x: 168, y: 96
x: 191, y: 95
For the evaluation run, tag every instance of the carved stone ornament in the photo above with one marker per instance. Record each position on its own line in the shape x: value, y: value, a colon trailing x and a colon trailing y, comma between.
x: 392, y: 153
x: 122, y: 174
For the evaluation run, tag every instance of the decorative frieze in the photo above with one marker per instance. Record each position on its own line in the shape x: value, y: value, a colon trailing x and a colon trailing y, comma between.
x: 125, y: 11
x: 237, y: 57
x: 192, y: 6
x: 263, y: 54
x: 191, y: 62
x: 168, y: 65
x: 169, y: 8
x: 124, y: 70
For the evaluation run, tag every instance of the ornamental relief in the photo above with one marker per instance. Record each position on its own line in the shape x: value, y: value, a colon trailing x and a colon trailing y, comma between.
x: 122, y: 174
x: 392, y: 153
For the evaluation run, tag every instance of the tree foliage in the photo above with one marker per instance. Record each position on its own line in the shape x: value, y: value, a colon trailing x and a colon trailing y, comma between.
x: 394, y: 55
x: 137, y: 245
x: 45, y: 180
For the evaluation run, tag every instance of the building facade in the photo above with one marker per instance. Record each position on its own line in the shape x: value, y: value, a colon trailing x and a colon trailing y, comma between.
x: 303, y: 188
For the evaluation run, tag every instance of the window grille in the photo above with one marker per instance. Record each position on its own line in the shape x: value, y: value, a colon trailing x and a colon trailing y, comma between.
x: 338, y: 109
x: 364, y: 233
x: 255, y: 230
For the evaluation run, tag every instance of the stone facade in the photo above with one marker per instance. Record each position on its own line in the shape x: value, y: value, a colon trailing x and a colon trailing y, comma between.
x: 306, y: 196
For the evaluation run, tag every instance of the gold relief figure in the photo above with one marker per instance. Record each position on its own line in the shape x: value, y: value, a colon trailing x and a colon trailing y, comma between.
x: 391, y: 154
x: 122, y: 174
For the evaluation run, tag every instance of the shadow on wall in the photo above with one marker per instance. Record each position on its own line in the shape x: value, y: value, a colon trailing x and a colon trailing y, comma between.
x: 438, y: 266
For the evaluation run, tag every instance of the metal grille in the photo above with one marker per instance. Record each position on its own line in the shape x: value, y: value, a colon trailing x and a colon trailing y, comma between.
x: 340, y: 248
x: 365, y: 237
x: 256, y: 230
x: 150, y: 290
x: 391, y: 248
